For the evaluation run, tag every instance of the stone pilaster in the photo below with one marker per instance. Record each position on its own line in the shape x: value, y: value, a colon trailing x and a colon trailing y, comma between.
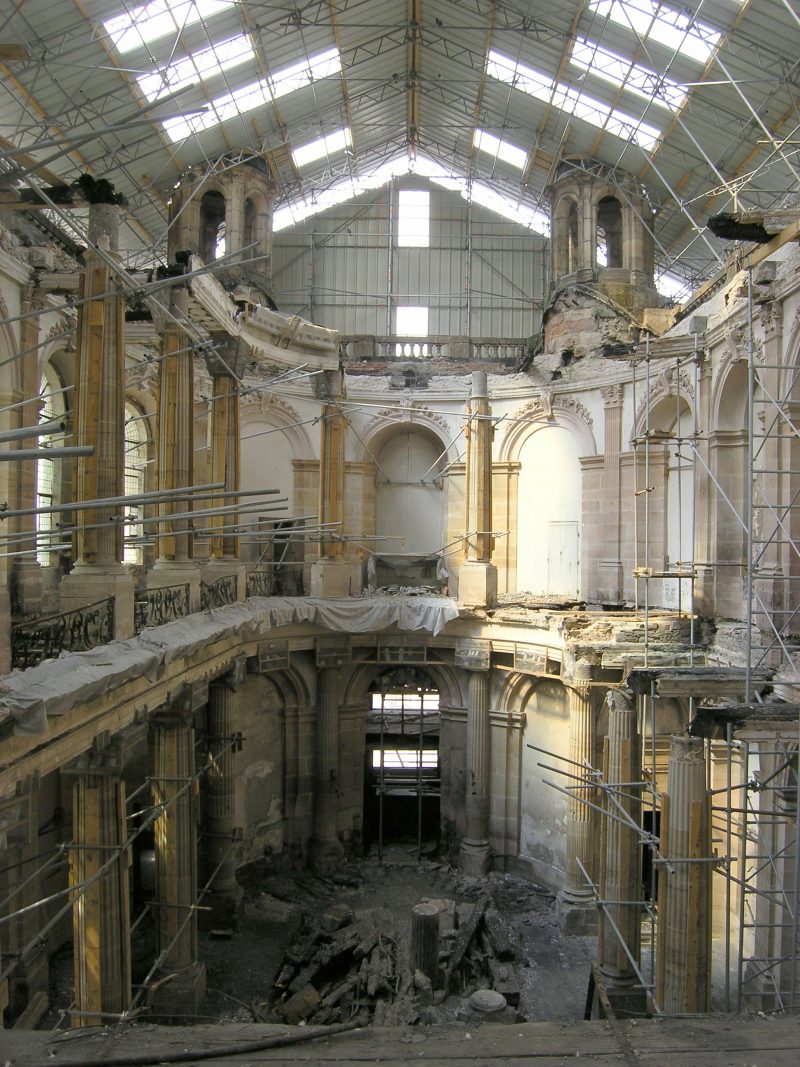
x: 101, y: 916
x: 576, y: 900
x: 331, y: 574
x: 609, y: 568
x: 174, y: 551
x: 477, y: 580
x: 179, y: 986
x: 620, y: 913
x: 99, y: 423
x: 219, y: 795
x: 303, y: 811
x: 326, y: 847
x: 475, y: 856
x: 684, y: 887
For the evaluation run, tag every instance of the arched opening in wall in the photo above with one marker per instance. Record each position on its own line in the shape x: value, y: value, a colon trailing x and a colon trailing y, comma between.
x: 609, y: 232
x: 212, y: 226
x: 48, y: 471
x: 572, y: 239
x: 134, y: 483
x: 402, y: 784
x: 549, y: 514
x: 409, y: 507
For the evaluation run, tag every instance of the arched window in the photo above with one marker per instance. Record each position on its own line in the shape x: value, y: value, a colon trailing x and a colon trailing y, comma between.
x: 48, y: 471
x: 212, y: 226
x: 135, y: 468
x: 609, y: 231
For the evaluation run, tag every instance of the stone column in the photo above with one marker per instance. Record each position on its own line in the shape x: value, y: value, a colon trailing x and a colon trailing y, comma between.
x: 26, y: 570
x: 475, y: 857
x: 174, y: 551
x: 684, y: 887
x: 609, y: 568
x: 219, y: 795
x: 99, y: 422
x: 620, y: 914
x: 332, y: 575
x: 326, y: 847
x: 100, y: 916
x: 477, y: 580
x: 576, y: 908
x: 180, y: 983
x: 303, y: 812
x: 787, y: 971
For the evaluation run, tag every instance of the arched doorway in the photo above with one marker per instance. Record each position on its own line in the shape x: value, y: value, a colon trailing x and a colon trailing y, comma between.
x: 402, y: 784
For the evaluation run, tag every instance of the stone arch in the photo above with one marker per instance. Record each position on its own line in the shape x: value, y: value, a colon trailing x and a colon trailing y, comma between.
x: 389, y: 421
x: 661, y: 402
x: 444, y: 677
x: 548, y: 410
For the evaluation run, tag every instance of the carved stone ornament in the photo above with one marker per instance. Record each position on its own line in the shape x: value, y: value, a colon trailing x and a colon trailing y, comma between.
x: 264, y: 403
x: 407, y: 411
x: 612, y: 395
x: 546, y: 406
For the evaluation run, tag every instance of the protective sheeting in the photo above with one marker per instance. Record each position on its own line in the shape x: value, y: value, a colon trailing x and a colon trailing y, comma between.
x: 57, y: 686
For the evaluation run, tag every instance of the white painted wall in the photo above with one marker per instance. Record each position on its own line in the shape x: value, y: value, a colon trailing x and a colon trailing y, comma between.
x: 549, y: 513
x: 266, y: 463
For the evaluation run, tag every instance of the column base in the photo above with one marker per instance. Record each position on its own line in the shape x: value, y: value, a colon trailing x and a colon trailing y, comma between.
x: 335, y: 578
x: 89, y: 582
x: 325, y: 856
x: 477, y: 584
x: 624, y: 995
x: 577, y: 914
x: 176, y: 997
x: 169, y: 572
x: 475, y: 858
x: 225, y: 910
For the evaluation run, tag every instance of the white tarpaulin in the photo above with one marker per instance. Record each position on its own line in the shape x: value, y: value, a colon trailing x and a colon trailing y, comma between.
x: 56, y: 686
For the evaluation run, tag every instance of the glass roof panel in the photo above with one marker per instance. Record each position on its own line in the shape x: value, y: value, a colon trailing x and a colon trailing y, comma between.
x: 493, y: 146
x: 676, y: 30
x: 621, y: 72
x: 147, y: 22
x: 206, y: 64
x: 322, y: 146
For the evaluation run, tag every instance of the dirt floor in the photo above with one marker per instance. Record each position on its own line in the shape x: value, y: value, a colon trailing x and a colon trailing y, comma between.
x: 553, y: 970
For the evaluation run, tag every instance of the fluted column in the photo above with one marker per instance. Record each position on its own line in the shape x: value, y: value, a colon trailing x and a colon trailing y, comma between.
x: 101, y: 916
x: 609, y: 567
x: 99, y: 423
x: 176, y: 866
x: 303, y: 812
x: 684, y: 887
x: 620, y: 913
x: 224, y: 459
x: 477, y: 582
x: 475, y: 855
x: 576, y: 900
x: 219, y: 796
x: 331, y: 574
x: 326, y: 848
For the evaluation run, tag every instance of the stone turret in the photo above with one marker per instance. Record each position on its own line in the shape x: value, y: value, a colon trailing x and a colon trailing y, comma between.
x: 228, y: 212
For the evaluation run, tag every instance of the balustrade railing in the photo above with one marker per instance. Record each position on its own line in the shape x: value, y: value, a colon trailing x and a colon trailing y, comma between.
x: 259, y: 583
x: 158, y: 606
x: 219, y: 593
x: 366, y: 347
x: 70, y: 631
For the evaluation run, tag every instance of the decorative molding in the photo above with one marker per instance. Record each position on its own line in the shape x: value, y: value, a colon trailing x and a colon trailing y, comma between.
x: 266, y: 404
x: 406, y: 411
x: 612, y: 395
x: 546, y: 405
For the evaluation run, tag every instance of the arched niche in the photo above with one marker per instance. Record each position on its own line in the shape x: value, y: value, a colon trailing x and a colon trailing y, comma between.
x: 212, y: 225
x: 549, y: 512
x: 410, y: 505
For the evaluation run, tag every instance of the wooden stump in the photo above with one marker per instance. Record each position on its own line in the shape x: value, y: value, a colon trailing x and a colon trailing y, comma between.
x: 425, y: 941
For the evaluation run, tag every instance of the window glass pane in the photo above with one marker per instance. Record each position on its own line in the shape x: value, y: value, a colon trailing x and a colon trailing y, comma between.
x: 413, y: 218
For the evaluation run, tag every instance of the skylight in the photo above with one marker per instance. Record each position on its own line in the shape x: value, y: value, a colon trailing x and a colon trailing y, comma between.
x: 676, y: 30
x: 624, y: 74
x: 414, y: 218
x: 147, y: 22
x: 571, y: 100
x: 322, y: 146
x: 255, y: 94
x: 493, y: 146
x: 205, y: 64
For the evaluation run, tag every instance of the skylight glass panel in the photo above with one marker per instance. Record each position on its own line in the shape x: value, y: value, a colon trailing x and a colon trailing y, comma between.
x: 493, y: 146
x: 254, y: 95
x: 414, y: 218
x: 571, y: 100
x: 147, y: 22
x: 322, y: 146
x: 676, y: 30
x: 206, y: 64
x: 624, y: 74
